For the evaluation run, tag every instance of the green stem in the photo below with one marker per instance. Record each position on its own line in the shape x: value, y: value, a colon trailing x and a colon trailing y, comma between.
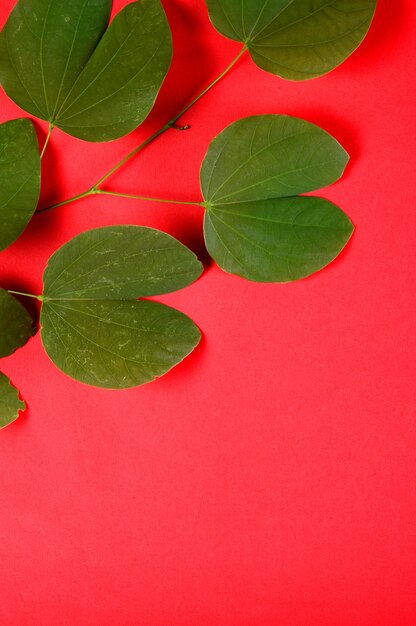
x: 210, y: 86
x: 48, y: 136
x: 171, y: 124
x: 132, y: 154
x: 90, y: 192
x: 26, y: 295
x: 146, y: 199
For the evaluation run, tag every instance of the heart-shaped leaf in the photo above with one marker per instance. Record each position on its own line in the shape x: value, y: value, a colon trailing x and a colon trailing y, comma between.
x: 59, y: 63
x: 10, y: 403
x: 295, y: 39
x: 256, y: 226
x: 19, y: 178
x: 94, y: 329
x: 16, y: 325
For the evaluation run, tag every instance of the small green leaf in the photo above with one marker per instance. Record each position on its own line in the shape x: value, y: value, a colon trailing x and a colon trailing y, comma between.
x: 19, y: 178
x: 57, y: 64
x: 295, y: 39
x: 16, y: 325
x: 10, y: 403
x: 94, y: 329
x: 256, y: 226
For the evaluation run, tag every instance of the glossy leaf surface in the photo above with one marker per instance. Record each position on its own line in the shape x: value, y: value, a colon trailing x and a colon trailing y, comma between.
x: 58, y: 62
x: 255, y: 224
x: 94, y: 329
x: 19, y: 178
x: 295, y: 39
x: 16, y: 325
x: 10, y: 403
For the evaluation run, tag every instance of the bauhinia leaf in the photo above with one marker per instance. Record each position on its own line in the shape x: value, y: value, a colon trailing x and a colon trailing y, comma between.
x: 43, y: 48
x: 16, y: 325
x: 256, y: 226
x: 93, y: 327
x: 119, y: 85
x: 19, y: 178
x: 58, y: 63
x: 295, y: 39
x: 10, y: 403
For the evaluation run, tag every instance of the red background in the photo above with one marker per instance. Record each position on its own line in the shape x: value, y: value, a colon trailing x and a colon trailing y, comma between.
x: 268, y: 479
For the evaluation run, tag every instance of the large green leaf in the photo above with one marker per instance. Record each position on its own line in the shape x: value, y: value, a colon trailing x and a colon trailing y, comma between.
x: 44, y: 46
x: 256, y: 226
x: 19, y: 178
x: 295, y: 39
x: 10, y: 403
x: 56, y: 63
x: 16, y: 325
x: 94, y: 329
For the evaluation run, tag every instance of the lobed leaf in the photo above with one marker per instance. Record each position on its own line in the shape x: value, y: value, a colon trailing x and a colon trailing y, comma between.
x: 94, y: 329
x: 295, y: 39
x: 16, y: 325
x: 10, y: 403
x: 44, y: 46
x: 255, y: 225
x: 19, y: 178
x: 58, y: 62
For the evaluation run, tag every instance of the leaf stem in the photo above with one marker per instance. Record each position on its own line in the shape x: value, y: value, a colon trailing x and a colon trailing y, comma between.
x: 146, y: 199
x: 90, y: 192
x: 171, y: 124
x: 48, y: 136
x: 26, y: 295
x: 207, y: 89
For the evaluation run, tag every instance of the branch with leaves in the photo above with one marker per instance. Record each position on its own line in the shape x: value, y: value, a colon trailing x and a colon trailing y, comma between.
x: 61, y: 62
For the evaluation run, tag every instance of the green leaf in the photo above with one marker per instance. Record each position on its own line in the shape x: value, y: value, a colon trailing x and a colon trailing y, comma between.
x: 118, y: 87
x: 10, y: 403
x: 16, y: 325
x: 57, y: 64
x: 255, y: 225
x: 94, y: 329
x: 19, y: 178
x: 44, y: 46
x: 295, y: 39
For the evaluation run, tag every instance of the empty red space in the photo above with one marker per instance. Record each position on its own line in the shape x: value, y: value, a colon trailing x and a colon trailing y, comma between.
x: 268, y: 480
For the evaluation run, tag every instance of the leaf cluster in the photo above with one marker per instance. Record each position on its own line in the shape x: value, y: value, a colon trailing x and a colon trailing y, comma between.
x: 63, y: 62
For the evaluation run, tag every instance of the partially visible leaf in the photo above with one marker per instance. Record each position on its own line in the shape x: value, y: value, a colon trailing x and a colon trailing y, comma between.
x: 56, y: 63
x: 19, y: 178
x: 94, y: 329
x: 255, y: 224
x: 16, y: 325
x: 10, y: 403
x: 44, y: 46
x: 119, y: 85
x: 295, y: 39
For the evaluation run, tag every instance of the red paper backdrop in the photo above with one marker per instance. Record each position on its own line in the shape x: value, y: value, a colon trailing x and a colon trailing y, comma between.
x: 269, y: 479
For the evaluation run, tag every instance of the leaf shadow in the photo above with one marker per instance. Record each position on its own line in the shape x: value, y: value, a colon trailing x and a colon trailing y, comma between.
x: 333, y: 265
x: 382, y: 36
x: 51, y: 176
x: 10, y: 281
x: 191, y: 54
x: 186, y: 368
x: 346, y: 134
x: 188, y: 229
